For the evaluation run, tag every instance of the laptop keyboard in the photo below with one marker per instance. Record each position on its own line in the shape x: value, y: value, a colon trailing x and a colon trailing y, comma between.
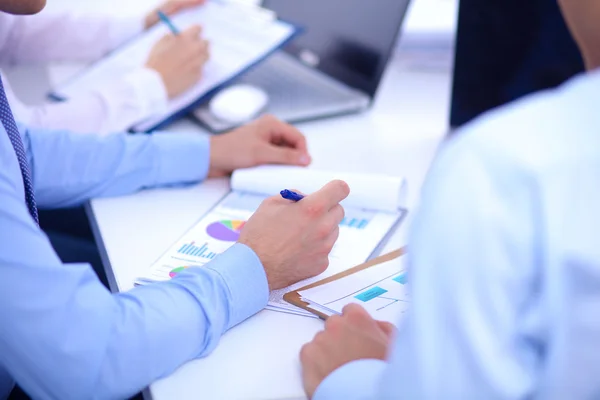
x: 293, y: 86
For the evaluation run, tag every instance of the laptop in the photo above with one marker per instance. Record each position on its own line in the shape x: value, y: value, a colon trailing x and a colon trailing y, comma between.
x: 334, y: 67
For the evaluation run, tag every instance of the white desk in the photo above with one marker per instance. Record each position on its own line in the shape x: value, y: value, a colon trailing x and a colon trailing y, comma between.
x: 259, y: 358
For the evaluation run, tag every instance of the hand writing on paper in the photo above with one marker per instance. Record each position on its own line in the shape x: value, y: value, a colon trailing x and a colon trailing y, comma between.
x: 352, y: 336
x: 179, y: 60
x: 170, y: 8
x: 293, y: 240
x: 264, y: 141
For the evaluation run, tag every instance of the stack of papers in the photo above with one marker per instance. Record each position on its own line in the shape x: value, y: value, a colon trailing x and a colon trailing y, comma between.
x: 362, y: 232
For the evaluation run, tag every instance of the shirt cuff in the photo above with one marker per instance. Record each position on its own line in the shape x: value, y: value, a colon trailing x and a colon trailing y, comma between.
x: 181, y: 158
x: 149, y: 90
x: 246, y: 279
x: 123, y: 29
x: 355, y: 380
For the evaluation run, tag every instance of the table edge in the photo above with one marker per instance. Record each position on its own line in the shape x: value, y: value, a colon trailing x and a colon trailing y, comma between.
x: 106, y: 265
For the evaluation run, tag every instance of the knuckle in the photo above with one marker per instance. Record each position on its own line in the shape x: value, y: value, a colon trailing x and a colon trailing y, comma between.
x: 353, y: 311
x: 314, y: 209
x: 338, y: 213
x: 332, y: 239
x: 271, y: 201
x: 290, y: 156
x: 333, y: 322
x: 323, y: 231
x: 336, y: 233
x: 270, y: 118
x: 305, y: 352
x: 323, y: 265
x: 320, y: 337
x: 342, y: 213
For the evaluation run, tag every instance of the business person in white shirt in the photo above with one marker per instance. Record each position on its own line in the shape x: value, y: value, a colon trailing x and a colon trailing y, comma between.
x: 174, y: 65
x: 504, y: 262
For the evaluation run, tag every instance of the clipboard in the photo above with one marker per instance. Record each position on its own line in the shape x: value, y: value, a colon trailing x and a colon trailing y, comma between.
x: 295, y: 298
x: 58, y: 94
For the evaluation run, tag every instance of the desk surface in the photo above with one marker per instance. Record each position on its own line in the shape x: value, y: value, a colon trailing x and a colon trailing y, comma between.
x: 259, y: 358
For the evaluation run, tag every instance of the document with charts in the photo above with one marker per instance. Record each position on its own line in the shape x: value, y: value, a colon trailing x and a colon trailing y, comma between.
x: 380, y: 289
x: 239, y: 36
x: 372, y: 212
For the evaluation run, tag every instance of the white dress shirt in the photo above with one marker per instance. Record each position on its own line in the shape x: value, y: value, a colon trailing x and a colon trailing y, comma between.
x: 504, y: 263
x: 50, y: 37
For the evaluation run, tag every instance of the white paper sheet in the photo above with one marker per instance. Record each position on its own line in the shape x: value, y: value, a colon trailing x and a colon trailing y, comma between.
x: 360, y: 234
x: 375, y: 192
x: 238, y: 38
x: 381, y: 290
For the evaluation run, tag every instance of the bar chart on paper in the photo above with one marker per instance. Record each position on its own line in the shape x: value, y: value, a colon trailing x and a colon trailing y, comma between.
x: 186, y: 254
x: 193, y: 250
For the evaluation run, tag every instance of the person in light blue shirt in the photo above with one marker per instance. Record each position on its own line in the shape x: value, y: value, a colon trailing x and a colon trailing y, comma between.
x: 504, y: 262
x: 62, y: 334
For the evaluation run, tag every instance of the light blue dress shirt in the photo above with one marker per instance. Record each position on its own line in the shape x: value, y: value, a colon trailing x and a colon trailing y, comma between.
x: 62, y: 334
x: 504, y: 263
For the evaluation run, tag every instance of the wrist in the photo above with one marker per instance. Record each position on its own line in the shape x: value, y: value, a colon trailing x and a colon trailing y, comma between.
x: 216, y: 168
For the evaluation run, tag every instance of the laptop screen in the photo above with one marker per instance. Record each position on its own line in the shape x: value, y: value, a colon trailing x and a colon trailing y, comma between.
x: 349, y: 40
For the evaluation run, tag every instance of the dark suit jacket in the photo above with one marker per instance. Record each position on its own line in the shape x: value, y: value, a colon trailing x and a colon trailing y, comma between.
x: 506, y: 49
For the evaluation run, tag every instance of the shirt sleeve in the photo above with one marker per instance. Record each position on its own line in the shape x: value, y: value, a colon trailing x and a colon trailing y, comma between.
x: 64, y: 336
x: 115, y: 107
x: 471, y: 329
x: 69, y: 169
x: 63, y: 36
x: 112, y: 108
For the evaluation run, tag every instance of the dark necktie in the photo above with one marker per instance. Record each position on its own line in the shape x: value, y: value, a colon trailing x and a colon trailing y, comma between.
x: 10, y: 126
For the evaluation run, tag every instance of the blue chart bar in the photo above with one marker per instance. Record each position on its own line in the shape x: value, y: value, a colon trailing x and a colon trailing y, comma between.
x: 370, y: 294
x: 401, y: 279
x: 192, y: 250
x: 355, y: 223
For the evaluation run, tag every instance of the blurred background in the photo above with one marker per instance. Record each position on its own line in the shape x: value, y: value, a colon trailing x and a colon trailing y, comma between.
x: 426, y: 40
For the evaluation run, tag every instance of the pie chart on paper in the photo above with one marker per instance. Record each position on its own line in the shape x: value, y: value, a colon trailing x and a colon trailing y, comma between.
x: 177, y: 270
x: 225, y: 230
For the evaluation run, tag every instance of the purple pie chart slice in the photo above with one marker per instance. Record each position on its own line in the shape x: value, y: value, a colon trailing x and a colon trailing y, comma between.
x: 227, y: 231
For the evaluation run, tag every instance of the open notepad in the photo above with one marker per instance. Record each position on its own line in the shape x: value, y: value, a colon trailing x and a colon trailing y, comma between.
x: 372, y: 211
x: 239, y: 36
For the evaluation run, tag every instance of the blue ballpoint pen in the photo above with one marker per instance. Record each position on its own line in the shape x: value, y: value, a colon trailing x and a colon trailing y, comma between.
x: 291, y: 195
x: 163, y: 17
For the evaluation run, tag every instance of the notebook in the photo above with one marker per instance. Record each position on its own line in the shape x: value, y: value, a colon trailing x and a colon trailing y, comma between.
x: 240, y: 36
x: 373, y: 210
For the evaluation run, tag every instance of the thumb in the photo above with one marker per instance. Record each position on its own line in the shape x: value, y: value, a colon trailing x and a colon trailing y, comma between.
x: 193, y: 31
x: 284, y: 155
